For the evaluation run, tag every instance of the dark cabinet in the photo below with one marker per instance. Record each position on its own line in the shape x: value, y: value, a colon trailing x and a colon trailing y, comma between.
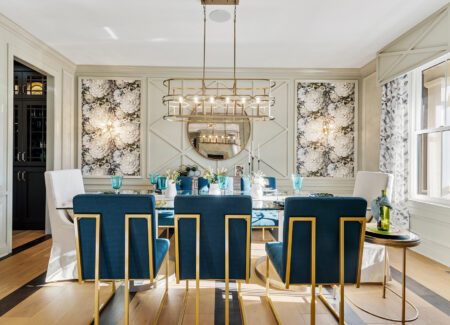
x: 30, y: 144
x: 30, y: 132
x: 29, y: 198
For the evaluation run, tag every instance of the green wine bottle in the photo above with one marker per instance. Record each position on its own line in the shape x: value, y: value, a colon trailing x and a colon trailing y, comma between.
x: 383, y: 223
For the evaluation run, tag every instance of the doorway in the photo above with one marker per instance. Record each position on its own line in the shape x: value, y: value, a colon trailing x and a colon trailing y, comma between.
x: 30, y: 152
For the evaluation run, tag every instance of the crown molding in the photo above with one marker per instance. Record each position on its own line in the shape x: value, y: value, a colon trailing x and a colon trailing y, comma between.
x: 163, y: 72
x: 24, y: 35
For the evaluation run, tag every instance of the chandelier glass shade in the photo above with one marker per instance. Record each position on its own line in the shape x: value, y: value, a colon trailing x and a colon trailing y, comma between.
x: 218, y: 99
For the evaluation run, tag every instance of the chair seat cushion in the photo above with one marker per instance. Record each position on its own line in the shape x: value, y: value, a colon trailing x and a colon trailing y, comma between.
x: 166, y: 218
x: 162, y: 247
x: 275, y: 252
x: 267, y: 218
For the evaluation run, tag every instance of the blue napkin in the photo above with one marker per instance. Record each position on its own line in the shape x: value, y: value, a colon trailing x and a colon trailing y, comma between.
x: 376, y: 204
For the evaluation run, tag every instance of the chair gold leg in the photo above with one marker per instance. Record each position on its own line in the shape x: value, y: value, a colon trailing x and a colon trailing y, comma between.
x: 227, y: 301
x: 272, y: 308
x: 197, y: 301
x: 241, y: 305
x: 267, y: 276
x: 263, y: 234
x: 341, y: 305
x: 183, y: 309
x: 127, y: 302
x: 97, y: 303
x: 385, y: 269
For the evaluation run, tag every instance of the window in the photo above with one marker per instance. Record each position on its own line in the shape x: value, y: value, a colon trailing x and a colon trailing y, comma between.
x: 432, y: 132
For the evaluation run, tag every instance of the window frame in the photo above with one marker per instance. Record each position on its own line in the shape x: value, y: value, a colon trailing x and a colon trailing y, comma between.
x: 414, y: 131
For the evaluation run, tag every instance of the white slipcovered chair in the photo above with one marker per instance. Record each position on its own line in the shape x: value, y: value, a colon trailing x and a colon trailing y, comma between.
x: 61, y: 186
x: 368, y: 185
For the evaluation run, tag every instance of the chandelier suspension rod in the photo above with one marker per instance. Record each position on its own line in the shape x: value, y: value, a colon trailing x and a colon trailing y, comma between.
x: 204, y: 44
x: 234, y: 62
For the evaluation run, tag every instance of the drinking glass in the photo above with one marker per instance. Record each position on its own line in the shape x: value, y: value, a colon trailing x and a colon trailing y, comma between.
x: 222, y: 183
x: 162, y: 183
x: 116, y: 182
x: 154, y: 180
x: 297, y: 182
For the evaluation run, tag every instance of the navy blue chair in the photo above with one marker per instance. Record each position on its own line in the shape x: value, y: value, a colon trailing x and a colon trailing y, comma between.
x: 245, y: 185
x: 212, y: 240
x: 267, y: 219
x: 271, y: 183
x: 322, y: 244
x: 203, y: 185
x: 116, y: 239
x: 185, y: 184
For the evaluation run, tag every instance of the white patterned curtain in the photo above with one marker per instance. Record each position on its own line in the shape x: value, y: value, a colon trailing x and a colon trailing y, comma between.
x: 394, y: 145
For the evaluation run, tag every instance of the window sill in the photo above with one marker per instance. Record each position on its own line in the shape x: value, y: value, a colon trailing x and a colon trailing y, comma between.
x: 439, y: 203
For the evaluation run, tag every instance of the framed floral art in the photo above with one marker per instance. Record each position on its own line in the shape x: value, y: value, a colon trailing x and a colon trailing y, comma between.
x: 110, y: 121
x: 326, y: 128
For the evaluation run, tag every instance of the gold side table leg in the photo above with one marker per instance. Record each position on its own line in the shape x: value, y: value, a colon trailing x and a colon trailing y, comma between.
x: 385, y: 271
x: 404, y: 287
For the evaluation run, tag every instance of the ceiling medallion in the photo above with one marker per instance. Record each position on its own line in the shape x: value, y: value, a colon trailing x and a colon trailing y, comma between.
x: 218, y: 99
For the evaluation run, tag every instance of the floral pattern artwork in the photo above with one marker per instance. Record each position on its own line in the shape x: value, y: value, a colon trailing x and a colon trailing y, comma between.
x: 394, y: 145
x: 326, y: 128
x: 111, y: 127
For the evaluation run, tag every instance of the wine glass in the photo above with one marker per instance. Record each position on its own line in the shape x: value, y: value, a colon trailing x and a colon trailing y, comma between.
x: 154, y: 180
x: 222, y: 183
x: 297, y: 182
x: 116, y: 182
x: 162, y: 183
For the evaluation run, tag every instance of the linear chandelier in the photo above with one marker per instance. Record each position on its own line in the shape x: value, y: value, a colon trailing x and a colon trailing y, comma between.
x: 218, y: 99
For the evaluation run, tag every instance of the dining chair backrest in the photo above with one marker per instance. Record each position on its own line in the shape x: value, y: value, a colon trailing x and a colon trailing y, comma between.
x: 328, y: 212
x: 368, y: 185
x: 185, y: 184
x: 212, y: 210
x: 112, y: 210
x: 245, y: 184
x: 271, y: 183
x: 203, y: 185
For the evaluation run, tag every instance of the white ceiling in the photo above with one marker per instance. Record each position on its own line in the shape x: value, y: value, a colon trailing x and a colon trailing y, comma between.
x: 271, y: 33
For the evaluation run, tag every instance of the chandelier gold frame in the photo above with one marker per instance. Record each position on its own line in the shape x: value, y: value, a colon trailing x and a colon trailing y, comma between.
x: 218, y: 99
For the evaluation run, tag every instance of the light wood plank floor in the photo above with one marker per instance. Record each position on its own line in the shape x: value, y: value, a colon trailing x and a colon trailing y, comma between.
x: 72, y: 303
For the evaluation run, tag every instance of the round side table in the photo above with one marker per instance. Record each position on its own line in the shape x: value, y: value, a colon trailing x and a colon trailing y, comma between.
x: 408, y: 239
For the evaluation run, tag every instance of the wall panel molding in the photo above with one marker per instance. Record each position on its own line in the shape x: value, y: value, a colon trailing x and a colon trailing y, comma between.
x: 426, y: 41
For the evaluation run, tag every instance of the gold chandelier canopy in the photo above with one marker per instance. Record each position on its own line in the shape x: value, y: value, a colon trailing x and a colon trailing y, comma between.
x: 218, y: 99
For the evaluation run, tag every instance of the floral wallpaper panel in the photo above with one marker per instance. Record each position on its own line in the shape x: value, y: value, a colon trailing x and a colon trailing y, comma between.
x: 110, y: 127
x: 326, y: 128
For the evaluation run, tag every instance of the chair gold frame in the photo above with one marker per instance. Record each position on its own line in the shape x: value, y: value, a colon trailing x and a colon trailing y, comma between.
x: 247, y: 218
x: 147, y: 217
x: 340, y: 316
x: 97, y: 307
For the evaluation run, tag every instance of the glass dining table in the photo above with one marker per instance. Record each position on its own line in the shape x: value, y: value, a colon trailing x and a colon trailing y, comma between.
x: 272, y: 200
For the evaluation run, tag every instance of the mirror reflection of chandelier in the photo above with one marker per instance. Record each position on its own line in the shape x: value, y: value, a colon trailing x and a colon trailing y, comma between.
x: 217, y: 99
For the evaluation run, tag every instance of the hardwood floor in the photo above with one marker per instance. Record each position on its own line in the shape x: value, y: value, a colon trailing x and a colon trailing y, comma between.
x: 21, y: 237
x: 71, y: 303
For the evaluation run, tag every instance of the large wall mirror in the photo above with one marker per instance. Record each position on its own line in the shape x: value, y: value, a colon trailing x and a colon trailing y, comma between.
x: 219, y: 140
